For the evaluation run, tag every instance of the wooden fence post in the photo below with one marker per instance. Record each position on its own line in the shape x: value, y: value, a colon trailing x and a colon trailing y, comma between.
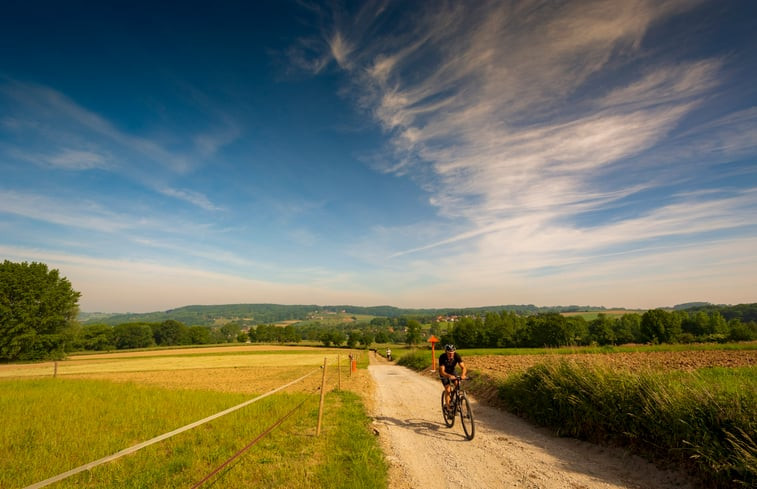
x: 339, y: 371
x: 55, y: 369
x: 323, y: 394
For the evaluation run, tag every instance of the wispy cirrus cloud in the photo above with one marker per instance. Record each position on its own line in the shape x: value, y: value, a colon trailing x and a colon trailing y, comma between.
x: 83, y: 214
x: 129, y: 221
x: 71, y: 137
x: 520, y: 117
x: 56, y: 118
x: 65, y: 159
x: 195, y: 198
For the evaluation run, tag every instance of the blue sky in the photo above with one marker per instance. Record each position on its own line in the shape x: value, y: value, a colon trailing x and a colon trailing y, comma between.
x: 415, y: 154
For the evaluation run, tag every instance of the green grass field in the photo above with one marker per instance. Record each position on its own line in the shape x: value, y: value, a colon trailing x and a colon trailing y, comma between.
x: 51, y: 425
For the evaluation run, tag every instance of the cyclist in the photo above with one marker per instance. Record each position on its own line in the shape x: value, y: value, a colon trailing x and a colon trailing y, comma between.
x: 447, y: 363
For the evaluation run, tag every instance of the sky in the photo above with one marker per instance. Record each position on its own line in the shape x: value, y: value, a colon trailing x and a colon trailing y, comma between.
x: 408, y: 153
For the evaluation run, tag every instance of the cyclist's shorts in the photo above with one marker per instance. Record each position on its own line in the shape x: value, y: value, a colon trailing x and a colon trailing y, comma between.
x: 445, y: 380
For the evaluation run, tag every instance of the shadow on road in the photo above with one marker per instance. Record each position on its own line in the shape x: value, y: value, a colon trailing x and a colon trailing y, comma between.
x: 424, y: 428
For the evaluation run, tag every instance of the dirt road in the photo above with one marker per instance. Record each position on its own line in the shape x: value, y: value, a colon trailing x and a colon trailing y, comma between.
x: 506, y: 452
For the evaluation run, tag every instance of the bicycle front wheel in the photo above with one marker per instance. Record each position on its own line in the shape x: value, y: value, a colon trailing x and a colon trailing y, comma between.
x: 466, y: 418
x: 449, y: 417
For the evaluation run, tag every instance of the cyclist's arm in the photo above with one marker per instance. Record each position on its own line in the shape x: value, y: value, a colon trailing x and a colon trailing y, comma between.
x: 443, y: 373
x: 465, y: 370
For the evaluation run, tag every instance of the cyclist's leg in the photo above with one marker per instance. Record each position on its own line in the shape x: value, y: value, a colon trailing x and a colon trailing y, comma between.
x: 447, y: 390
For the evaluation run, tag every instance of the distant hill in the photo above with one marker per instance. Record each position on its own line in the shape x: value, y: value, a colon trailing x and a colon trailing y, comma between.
x: 250, y: 314
x: 690, y: 305
x: 743, y: 312
x: 210, y: 315
x: 247, y: 314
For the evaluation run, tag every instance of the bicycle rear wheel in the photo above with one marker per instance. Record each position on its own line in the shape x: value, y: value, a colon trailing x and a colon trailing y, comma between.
x: 466, y: 418
x: 449, y: 418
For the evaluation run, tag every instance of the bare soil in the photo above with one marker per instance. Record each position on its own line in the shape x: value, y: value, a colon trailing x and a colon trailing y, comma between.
x: 502, y: 365
x: 507, y: 452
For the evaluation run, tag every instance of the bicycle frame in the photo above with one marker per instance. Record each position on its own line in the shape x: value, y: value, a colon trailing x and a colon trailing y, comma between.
x: 458, y: 401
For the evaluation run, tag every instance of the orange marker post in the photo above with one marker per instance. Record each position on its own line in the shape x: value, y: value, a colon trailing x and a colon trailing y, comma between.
x: 433, y: 340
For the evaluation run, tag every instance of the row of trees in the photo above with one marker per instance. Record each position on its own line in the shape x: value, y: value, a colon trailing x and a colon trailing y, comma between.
x: 101, y: 337
x: 507, y: 329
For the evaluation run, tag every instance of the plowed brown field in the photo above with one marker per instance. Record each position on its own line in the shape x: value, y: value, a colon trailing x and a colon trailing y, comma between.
x: 503, y: 365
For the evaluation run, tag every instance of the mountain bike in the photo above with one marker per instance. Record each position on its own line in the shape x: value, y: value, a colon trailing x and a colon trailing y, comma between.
x: 458, y: 402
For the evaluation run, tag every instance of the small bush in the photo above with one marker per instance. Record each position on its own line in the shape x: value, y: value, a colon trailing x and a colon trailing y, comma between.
x: 416, y: 360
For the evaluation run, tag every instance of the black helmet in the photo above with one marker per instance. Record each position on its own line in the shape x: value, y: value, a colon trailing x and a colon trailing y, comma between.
x: 449, y: 348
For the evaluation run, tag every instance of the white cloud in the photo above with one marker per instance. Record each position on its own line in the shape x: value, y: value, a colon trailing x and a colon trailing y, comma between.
x: 195, y: 198
x: 65, y: 159
x: 133, y: 223
x: 71, y: 159
x: 79, y: 214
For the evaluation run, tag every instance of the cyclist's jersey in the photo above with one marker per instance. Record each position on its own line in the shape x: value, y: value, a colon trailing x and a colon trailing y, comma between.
x: 449, y: 364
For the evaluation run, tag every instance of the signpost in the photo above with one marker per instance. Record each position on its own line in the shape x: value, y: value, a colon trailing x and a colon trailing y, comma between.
x: 433, y: 340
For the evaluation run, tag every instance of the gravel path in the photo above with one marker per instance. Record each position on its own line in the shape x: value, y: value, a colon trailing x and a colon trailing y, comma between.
x: 506, y: 452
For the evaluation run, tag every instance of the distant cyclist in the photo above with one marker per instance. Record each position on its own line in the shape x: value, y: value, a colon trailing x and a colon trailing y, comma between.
x: 447, y: 363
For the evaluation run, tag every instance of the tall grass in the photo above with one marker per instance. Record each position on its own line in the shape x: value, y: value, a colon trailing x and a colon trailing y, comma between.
x: 704, y: 422
x: 415, y: 359
x: 49, y: 426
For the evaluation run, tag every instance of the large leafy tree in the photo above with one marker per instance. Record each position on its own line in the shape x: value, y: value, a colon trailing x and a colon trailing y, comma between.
x: 550, y: 329
x: 96, y: 337
x: 602, y: 330
x: 199, y: 335
x: 660, y: 326
x: 38, y: 311
x: 132, y: 335
x: 413, y: 336
x: 627, y: 329
x: 170, y: 332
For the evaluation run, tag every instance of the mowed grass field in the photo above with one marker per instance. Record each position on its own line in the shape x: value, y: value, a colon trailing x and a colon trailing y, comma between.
x: 98, y: 405
x: 613, y: 313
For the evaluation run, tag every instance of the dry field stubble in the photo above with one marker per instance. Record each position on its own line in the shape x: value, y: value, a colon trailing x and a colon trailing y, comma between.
x: 252, y: 369
x: 245, y: 380
x: 503, y: 365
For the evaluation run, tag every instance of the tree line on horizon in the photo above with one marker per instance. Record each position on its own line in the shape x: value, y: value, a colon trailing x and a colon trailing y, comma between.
x: 508, y: 330
x: 493, y: 330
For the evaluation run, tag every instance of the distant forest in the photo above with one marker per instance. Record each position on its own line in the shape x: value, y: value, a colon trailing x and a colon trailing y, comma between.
x: 254, y: 314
